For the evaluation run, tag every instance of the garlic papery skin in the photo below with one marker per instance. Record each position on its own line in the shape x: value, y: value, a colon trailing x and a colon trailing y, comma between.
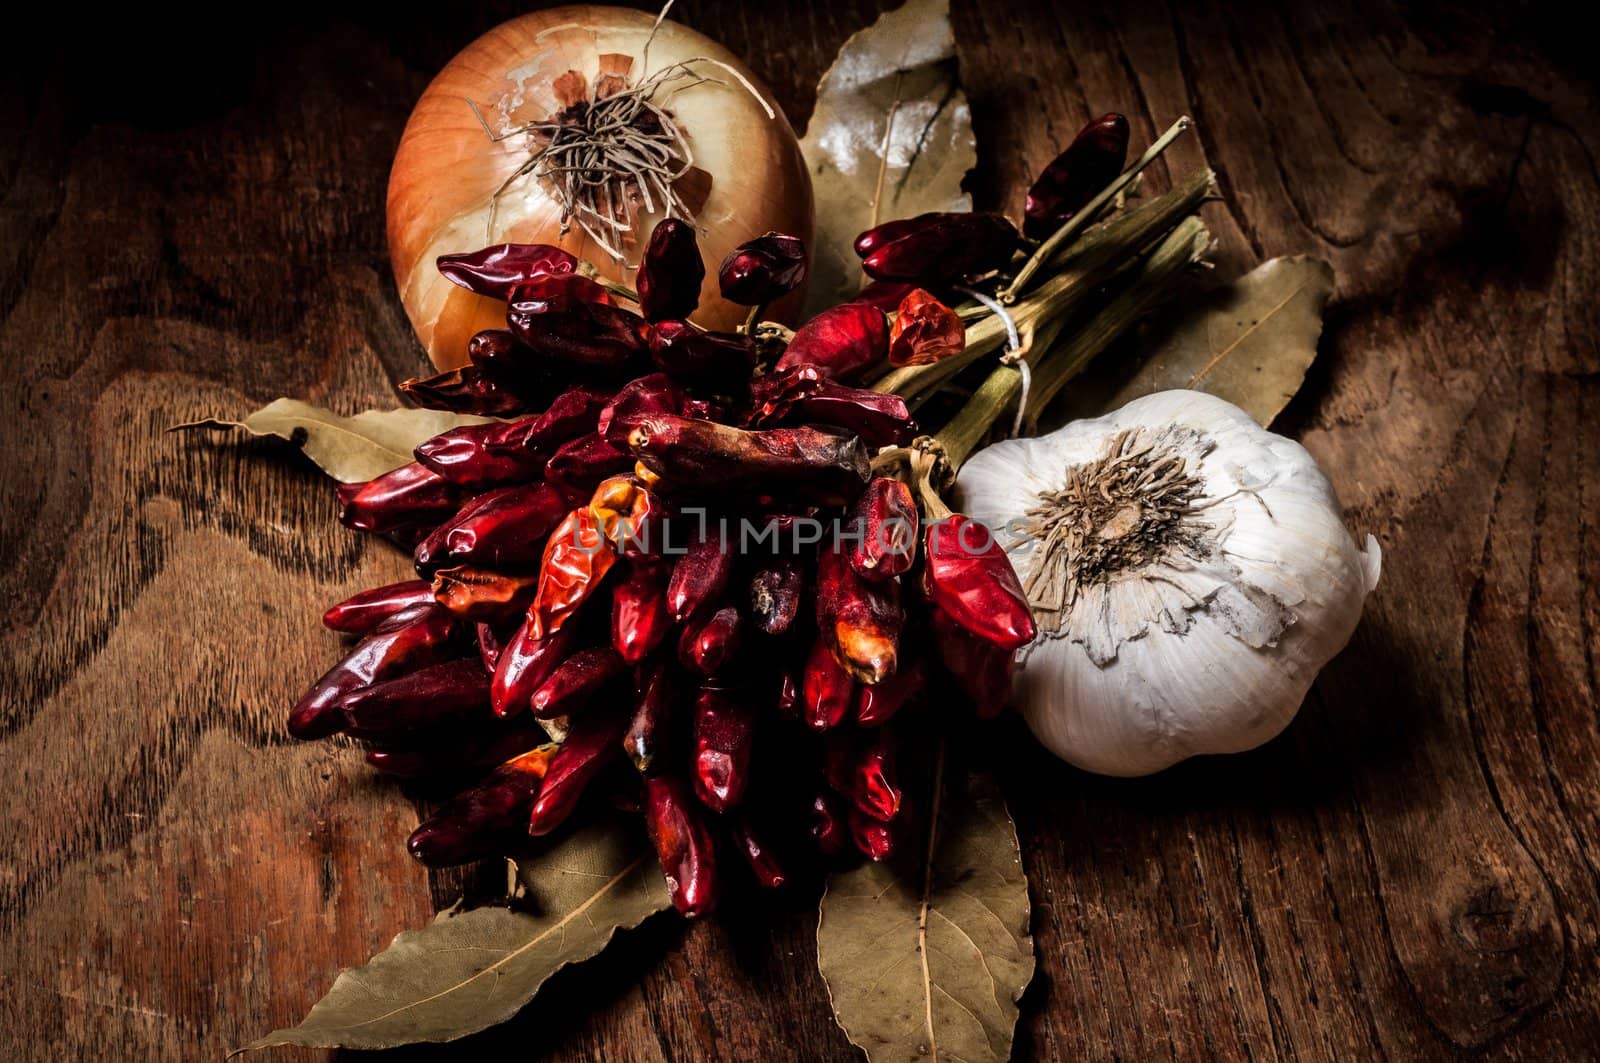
x: 1190, y: 572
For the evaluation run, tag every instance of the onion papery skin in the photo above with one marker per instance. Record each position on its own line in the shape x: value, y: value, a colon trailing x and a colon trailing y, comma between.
x: 447, y: 168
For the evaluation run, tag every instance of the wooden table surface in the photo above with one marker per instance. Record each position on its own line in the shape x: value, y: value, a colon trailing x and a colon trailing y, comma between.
x: 1411, y: 871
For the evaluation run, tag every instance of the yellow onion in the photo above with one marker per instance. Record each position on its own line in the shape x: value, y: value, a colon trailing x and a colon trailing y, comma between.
x: 443, y: 188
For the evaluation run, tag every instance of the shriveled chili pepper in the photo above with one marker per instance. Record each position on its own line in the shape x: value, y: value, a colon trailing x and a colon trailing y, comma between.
x: 967, y: 576
x: 497, y: 269
x: 592, y: 744
x: 532, y: 293
x: 981, y: 668
x: 775, y: 593
x: 1093, y: 160
x: 804, y: 464
x: 360, y: 613
x: 431, y: 696
x: 874, y: 838
x: 830, y: 826
x: 576, y: 680
x: 576, y: 558
x: 940, y: 247
x: 491, y: 455
x: 787, y: 701
x: 758, y: 855
x: 717, y: 360
x: 670, y: 272
x: 687, y: 853
x: 861, y: 620
x: 475, y: 593
x: 490, y: 646
x: 525, y: 663
x: 700, y: 575
x: 885, y: 233
x: 576, y: 332
x: 409, y: 639
x: 761, y: 270
x: 724, y: 732
x: 509, y: 362
x: 465, y: 390
x: 503, y: 527
x: 925, y: 331
x: 804, y: 394
x: 652, y: 715
x: 487, y: 819
x: 827, y: 690
x: 580, y: 464
x: 630, y: 515
x: 861, y: 767
x: 882, y: 527
x: 474, y: 753
x: 640, y: 619
x: 877, y: 704
x: 706, y: 646
x: 885, y: 295
x: 409, y: 495
x: 842, y: 341
x: 639, y: 398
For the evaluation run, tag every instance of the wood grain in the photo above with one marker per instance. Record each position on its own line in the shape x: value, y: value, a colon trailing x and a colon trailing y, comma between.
x: 1411, y: 871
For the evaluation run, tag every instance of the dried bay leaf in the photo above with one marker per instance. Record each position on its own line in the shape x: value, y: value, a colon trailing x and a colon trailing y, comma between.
x: 1250, y: 342
x: 890, y: 115
x: 470, y: 970
x: 350, y: 449
x: 927, y: 957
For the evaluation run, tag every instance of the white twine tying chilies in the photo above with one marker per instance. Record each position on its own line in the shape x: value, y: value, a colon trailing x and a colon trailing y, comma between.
x: 1015, y: 353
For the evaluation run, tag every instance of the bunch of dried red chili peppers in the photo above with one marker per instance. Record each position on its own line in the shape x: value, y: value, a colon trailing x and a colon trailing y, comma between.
x: 703, y: 554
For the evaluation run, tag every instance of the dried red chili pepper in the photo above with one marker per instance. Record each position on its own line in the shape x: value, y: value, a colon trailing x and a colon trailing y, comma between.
x: 775, y: 592
x: 724, y: 732
x: 827, y: 690
x: 360, y: 613
x: 758, y: 855
x: 576, y: 680
x: 885, y: 295
x: 925, y: 331
x: 506, y: 360
x: 629, y: 515
x: 531, y: 295
x: 804, y: 394
x: 842, y: 341
x: 410, y: 638
x: 722, y: 361
x: 487, y: 819
x: 431, y: 696
x: 652, y: 715
x: 1090, y: 163
x: 885, y: 233
x: 700, y: 575
x: 830, y: 827
x: 576, y: 558
x: 967, y: 576
x: 882, y: 526
x: 938, y: 248
x: 688, y: 856
x: 407, y: 496
x: 474, y: 593
x: 670, y: 272
x: 459, y: 756
x: 787, y: 701
x: 465, y: 390
x: 490, y: 645
x: 589, y: 747
x: 874, y: 838
x: 525, y: 663
x: 764, y: 269
x: 982, y: 669
x: 640, y: 619
x: 497, y: 269
x: 859, y: 619
x: 504, y: 527
x: 706, y: 646
x: 861, y: 767
x: 576, y: 332
x: 639, y: 398
x: 803, y: 464
x: 878, y: 703
x: 579, y: 465
x: 479, y: 456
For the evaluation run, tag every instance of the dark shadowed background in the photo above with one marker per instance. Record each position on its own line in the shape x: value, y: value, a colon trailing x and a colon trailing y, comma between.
x: 191, y: 223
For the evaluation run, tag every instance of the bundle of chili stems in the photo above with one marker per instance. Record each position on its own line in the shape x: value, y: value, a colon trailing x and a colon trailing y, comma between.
x: 710, y: 575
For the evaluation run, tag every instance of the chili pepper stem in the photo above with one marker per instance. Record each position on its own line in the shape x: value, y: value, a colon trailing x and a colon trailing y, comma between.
x: 752, y: 318
x: 1058, y: 239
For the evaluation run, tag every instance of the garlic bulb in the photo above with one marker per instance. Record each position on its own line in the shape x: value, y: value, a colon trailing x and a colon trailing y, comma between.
x: 1189, y: 572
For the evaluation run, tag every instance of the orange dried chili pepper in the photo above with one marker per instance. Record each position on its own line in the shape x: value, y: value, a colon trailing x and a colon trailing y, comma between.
x: 576, y: 558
